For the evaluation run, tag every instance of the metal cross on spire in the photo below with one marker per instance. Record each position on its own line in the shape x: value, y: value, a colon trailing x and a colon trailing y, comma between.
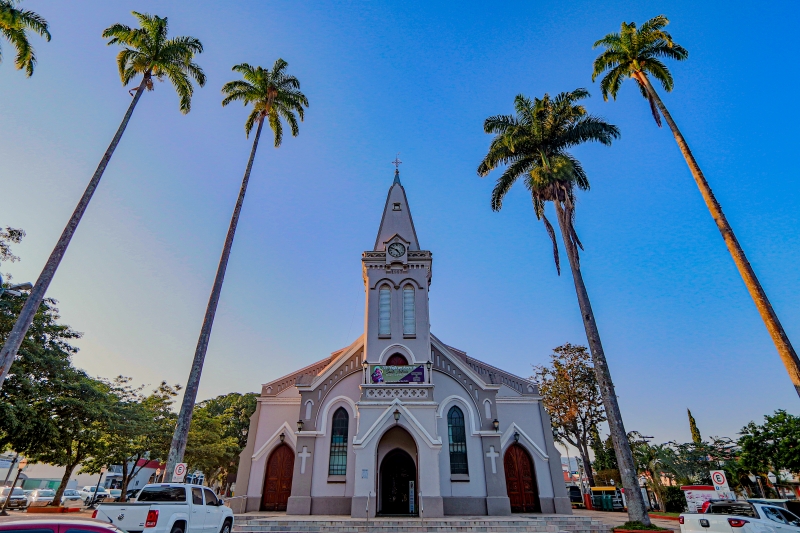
x: 397, y: 164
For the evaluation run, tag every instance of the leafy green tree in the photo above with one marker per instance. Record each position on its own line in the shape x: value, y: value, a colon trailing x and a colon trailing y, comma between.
x: 604, y: 456
x: 147, y: 52
x: 696, y: 438
x: 140, y: 429
x: 572, y: 398
x: 14, y: 26
x: 9, y: 236
x: 690, y: 463
x: 234, y: 411
x: 771, y: 446
x: 208, y: 449
x: 275, y: 97
x: 637, y: 53
x: 533, y: 145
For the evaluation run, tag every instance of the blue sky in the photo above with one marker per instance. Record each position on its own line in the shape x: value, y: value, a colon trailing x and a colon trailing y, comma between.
x: 419, y: 78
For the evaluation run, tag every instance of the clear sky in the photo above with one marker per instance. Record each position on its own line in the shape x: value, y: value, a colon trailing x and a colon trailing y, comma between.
x: 419, y: 78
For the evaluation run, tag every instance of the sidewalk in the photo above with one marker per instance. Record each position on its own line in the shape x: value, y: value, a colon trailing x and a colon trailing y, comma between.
x: 617, y: 519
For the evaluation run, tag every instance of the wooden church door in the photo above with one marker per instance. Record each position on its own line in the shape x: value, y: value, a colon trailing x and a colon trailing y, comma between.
x: 521, y: 481
x: 278, y: 479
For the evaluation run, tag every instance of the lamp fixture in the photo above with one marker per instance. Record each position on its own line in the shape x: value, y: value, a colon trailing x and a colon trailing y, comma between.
x: 516, y: 436
x: 396, y: 415
x: 283, y: 436
x: 496, y: 424
x: 429, y: 365
x: 300, y: 425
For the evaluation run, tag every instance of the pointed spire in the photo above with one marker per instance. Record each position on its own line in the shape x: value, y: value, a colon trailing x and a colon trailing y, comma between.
x: 396, y: 219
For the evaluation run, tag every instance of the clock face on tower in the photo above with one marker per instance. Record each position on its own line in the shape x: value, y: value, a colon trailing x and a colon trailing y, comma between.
x: 396, y: 249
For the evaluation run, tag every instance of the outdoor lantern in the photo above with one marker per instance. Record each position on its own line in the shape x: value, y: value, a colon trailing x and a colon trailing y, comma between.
x: 283, y: 436
x: 752, y: 478
x: 396, y: 415
x: 516, y: 436
x: 496, y: 424
x: 772, y: 477
x: 429, y: 364
x: 300, y: 425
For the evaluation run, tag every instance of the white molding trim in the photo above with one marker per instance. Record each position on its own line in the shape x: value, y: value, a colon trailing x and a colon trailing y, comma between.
x: 275, y: 438
x: 518, y: 399
x: 334, y: 365
x: 508, y: 435
x: 472, y: 416
x: 322, y: 424
x: 272, y: 400
x: 464, y: 368
x: 397, y: 347
x: 410, y: 423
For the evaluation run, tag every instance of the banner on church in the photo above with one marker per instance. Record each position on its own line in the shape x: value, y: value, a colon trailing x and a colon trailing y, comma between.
x: 397, y: 374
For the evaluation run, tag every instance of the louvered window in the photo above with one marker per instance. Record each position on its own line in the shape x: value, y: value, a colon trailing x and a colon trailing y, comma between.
x: 337, y: 465
x: 385, y: 311
x: 409, y: 316
x: 458, y: 441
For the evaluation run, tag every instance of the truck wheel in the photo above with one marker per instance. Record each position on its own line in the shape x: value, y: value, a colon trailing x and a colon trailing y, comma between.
x: 176, y: 529
x: 226, y: 527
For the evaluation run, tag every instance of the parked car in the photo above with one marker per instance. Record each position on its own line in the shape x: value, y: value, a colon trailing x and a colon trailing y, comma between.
x: 17, y: 499
x: 170, y: 508
x: 732, y: 516
x: 57, y: 525
x: 789, y: 505
x: 40, y: 497
x: 87, y: 493
x: 113, y: 495
x: 575, y: 495
x: 71, y: 498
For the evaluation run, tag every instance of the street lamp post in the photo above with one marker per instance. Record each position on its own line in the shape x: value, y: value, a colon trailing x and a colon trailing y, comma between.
x: 94, y: 496
x: 13, y: 290
x: 22, y: 464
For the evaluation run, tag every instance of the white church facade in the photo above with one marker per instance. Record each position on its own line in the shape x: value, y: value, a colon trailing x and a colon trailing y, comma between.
x: 399, y: 422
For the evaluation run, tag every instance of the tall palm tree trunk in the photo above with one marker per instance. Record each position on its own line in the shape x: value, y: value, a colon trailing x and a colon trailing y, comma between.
x: 637, y: 511
x: 25, y: 319
x: 779, y: 337
x: 181, y: 435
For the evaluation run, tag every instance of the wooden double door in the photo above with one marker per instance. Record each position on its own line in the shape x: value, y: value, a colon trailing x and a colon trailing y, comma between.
x: 278, y: 479
x: 521, y: 485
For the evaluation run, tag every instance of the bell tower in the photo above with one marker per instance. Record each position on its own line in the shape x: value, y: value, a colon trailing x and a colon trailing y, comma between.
x: 397, y: 275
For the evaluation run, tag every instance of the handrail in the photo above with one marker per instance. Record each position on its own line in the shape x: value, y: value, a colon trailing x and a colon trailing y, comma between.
x: 421, y: 509
x: 368, y: 495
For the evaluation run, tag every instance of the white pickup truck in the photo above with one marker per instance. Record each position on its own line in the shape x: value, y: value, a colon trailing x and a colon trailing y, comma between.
x: 170, y: 508
x: 740, y: 517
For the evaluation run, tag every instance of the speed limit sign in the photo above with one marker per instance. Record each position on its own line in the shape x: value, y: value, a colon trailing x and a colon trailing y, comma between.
x: 180, y: 473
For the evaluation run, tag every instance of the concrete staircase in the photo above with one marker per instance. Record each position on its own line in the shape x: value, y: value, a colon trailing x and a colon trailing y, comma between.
x: 254, y: 523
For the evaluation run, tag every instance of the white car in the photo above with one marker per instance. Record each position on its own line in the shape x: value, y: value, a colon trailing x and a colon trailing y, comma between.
x: 40, y: 497
x: 170, y: 508
x: 740, y: 517
x: 87, y: 494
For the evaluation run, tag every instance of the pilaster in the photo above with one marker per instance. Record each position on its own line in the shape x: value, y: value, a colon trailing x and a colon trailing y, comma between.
x: 300, y: 501
x: 497, y: 502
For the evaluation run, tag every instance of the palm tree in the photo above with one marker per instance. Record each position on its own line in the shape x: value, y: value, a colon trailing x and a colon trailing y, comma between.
x: 147, y: 52
x: 533, y: 146
x: 636, y: 53
x: 14, y: 24
x: 274, y: 95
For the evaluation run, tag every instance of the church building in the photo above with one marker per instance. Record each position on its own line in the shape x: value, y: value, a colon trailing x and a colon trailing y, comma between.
x: 399, y: 422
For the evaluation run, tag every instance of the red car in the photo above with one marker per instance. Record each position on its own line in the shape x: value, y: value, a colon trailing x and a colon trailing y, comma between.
x: 57, y: 526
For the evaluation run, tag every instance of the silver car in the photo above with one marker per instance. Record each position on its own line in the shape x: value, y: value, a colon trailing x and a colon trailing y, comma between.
x: 71, y: 498
x: 16, y: 499
x: 40, y: 497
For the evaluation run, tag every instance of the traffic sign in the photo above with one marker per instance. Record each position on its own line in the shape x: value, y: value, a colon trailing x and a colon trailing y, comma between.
x: 180, y: 473
x: 719, y: 480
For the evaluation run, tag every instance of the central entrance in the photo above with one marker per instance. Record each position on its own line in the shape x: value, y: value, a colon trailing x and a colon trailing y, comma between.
x: 397, y: 474
x: 398, y: 481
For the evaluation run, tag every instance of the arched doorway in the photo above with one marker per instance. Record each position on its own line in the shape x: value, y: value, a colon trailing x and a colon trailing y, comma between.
x: 278, y: 479
x: 521, y: 485
x: 398, y: 482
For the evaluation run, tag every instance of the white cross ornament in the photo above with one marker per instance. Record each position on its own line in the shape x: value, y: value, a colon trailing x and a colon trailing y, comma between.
x: 493, y: 455
x: 305, y: 454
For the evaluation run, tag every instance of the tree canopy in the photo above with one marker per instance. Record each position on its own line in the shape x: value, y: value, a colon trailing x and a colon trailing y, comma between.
x: 14, y: 26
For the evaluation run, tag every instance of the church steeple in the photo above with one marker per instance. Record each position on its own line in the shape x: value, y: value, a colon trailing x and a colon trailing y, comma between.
x: 396, y: 218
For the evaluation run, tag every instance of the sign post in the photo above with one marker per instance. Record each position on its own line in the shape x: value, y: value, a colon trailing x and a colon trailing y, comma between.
x: 721, y: 484
x: 180, y: 473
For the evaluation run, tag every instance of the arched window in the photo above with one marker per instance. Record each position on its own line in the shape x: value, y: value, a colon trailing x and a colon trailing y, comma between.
x: 385, y: 311
x: 396, y: 359
x: 457, y: 435
x: 337, y: 464
x: 409, y: 316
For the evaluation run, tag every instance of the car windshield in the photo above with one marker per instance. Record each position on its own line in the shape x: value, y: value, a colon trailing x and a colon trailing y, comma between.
x: 70, y: 492
x: 115, y: 491
x: 162, y: 494
x: 733, y: 508
x: 17, y: 492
